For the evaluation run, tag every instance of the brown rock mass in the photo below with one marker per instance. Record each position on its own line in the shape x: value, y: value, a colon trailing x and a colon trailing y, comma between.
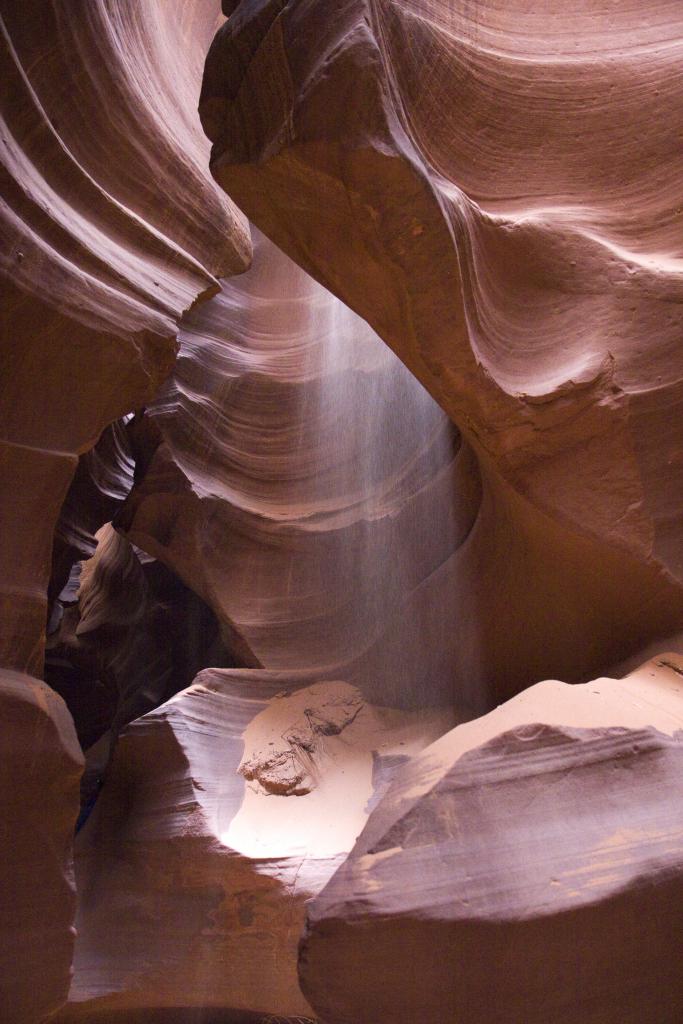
x: 295, y: 517
x: 101, y: 251
x: 494, y: 188
x: 40, y: 768
x: 110, y: 229
x: 527, y: 867
x: 185, y: 862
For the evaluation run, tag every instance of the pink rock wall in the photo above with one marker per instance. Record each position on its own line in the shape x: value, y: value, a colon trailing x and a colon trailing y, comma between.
x: 40, y: 768
x: 310, y: 490
x: 90, y: 281
x: 494, y: 188
x: 98, y: 261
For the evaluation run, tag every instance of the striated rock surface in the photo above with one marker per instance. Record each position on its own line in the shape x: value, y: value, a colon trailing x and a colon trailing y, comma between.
x: 134, y: 636
x: 495, y: 189
x: 40, y: 768
x: 527, y: 867
x: 313, y: 494
x: 110, y: 229
x: 195, y: 866
x: 101, y: 483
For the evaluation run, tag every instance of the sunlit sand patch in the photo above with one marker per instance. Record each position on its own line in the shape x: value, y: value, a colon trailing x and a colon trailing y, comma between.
x: 308, y: 765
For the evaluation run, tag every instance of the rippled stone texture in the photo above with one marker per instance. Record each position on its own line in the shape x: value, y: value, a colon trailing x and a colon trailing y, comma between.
x: 495, y: 189
x: 313, y: 494
x: 525, y: 868
x: 110, y: 229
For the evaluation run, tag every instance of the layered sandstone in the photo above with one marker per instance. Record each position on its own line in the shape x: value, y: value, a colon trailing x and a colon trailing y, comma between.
x: 527, y: 867
x: 102, y: 251
x: 492, y: 190
x: 110, y: 228
x: 495, y: 189
x: 101, y: 483
x: 312, y: 493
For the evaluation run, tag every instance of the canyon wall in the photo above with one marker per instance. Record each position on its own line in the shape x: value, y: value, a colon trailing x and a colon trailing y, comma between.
x: 376, y: 461
x: 311, y: 491
x: 495, y: 190
x: 111, y: 228
x: 303, y: 483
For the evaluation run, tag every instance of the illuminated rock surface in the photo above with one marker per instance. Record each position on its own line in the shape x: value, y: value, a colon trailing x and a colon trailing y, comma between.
x: 527, y: 867
x: 311, y: 492
x: 183, y: 863
x: 492, y: 190
x: 495, y: 189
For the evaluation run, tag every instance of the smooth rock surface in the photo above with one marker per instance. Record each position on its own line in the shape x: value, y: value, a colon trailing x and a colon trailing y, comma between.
x: 110, y: 228
x: 313, y: 494
x: 492, y: 190
x: 40, y: 768
x: 527, y: 867
x: 192, y: 880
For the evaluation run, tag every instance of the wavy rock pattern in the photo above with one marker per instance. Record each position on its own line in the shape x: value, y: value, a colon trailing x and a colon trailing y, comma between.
x: 100, y: 485
x: 495, y: 189
x: 102, y: 250
x: 185, y: 863
x: 311, y: 492
x: 136, y: 636
x: 110, y: 228
x: 539, y: 849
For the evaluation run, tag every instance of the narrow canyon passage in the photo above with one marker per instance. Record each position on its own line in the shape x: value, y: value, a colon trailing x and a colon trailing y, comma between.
x: 296, y: 459
x: 309, y: 488
x: 340, y: 448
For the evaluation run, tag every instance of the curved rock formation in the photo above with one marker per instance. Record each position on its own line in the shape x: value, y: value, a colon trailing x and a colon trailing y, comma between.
x: 136, y: 636
x: 312, y: 493
x: 110, y: 229
x: 185, y: 862
x: 495, y: 189
x: 40, y: 769
x: 492, y: 189
x: 101, y: 483
x: 102, y: 250
x: 525, y: 868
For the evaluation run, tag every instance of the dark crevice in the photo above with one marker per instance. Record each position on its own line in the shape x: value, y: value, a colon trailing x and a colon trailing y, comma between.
x: 125, y: 633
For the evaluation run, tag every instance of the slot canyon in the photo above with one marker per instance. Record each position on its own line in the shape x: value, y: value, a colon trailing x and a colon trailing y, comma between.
x: 341, y: 512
